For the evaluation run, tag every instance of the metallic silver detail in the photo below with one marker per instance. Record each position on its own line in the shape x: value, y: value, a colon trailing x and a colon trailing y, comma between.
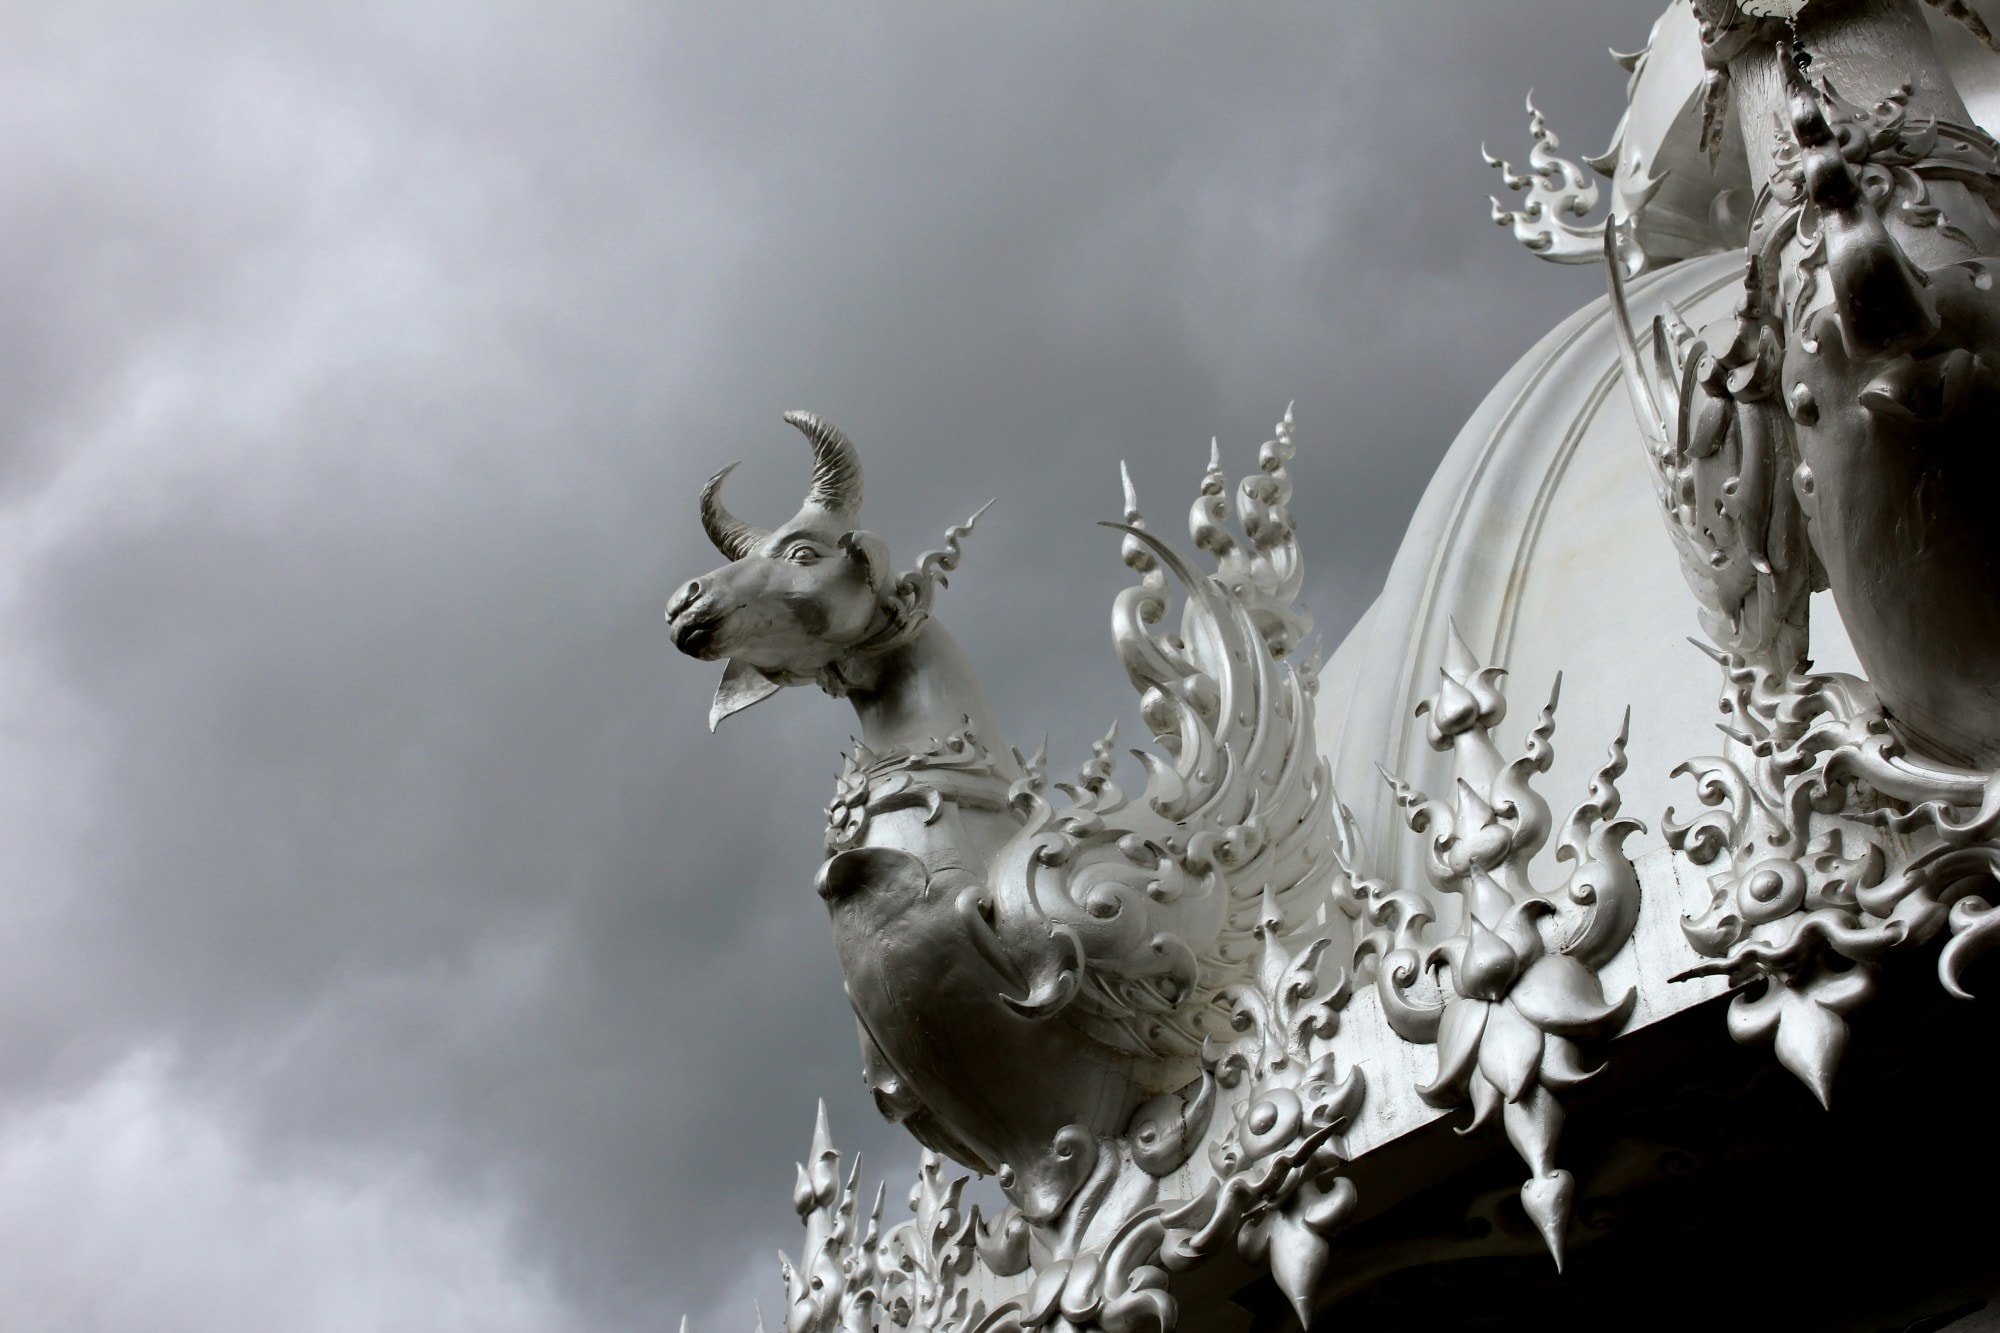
x: 1837, y: 433
x: 912, y: 1275
x: 1278, y: 1189
x: 1274, y: 1191
x: 835, y: 489
x: 1722, y: 458
x: 1680, y: 185
x: 1557, y: 190
x: 1150, y: 975
x: 1133, y: 934
x: 832, y: 626
x: 1522, y: 963
x: 1832, y: 845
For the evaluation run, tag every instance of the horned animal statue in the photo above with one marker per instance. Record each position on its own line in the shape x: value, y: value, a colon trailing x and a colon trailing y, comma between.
x: 1078, y: 942
x: 1196, y: 1032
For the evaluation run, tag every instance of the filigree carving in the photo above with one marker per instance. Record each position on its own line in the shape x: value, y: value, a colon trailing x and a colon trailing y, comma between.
x: 1141, y: 969
x: 1275, y: 1191
x: 839, y: 1279
x: 855, y: 1280
x: 1277, y: 1188
x: 1152, y: 901
x: 1520, y: 987
x: 1874, y: 254
x: 1832, y: 845
x: 1722, y: 458
x: 1729, y: 16
x: 1557, y: 190
x: 1835, y: 433
x: 956, y: 769
x: 1093, y: 945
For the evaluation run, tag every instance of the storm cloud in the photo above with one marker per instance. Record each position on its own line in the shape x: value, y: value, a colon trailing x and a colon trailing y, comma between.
x: 384, y: 942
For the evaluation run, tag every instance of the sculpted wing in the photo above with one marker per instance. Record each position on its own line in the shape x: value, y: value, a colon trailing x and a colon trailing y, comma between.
x: 1136, y: 913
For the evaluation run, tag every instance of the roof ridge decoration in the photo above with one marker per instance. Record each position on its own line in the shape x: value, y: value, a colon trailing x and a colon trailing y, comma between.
x: 1829, y: 435
x: 1158, y: 983
x: 1523, y: 963
x: 1145, y: 972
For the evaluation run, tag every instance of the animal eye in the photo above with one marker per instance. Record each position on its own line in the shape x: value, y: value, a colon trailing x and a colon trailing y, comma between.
x: 802, y: 553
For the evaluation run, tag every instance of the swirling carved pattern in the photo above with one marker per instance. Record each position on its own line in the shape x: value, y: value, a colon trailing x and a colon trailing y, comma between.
x: 1723, y: 457
x: 1555, y: 191
x: 1831, y: 845
x: 855, y: 1280
x: 1276, y: 1192
x: 1277, y: 1187
x: 1860, y: 366
x: 1151, y: 901
x: 1160, y: 925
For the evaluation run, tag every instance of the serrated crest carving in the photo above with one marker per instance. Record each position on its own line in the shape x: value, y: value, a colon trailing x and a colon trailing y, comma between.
x: 1510, y: 992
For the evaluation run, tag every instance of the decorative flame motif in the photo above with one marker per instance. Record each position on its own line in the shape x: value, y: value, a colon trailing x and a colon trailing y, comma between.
x: 1557, y: 190
x: 1508, y: 1022
x: 1143, y: 973
x: 1159, y: 896
x: 857, y: 1281
x: 1278, y: 1187
x: 1818, y: 872
x: 1151, y: 902
x: 1723, y: 457
x: 1821, y: 437
x: 1832, y: 432
x: 1276, y: 1193
x: 1158, y: 926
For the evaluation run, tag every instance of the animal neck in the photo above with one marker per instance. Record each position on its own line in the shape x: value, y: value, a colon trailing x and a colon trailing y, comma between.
x: 921, y: 690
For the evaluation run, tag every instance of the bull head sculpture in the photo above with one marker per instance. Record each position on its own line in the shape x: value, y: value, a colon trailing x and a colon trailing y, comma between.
x: 811, y: 600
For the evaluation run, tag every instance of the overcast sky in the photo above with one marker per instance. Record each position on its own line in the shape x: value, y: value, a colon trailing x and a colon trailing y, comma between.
x: 384, y: 943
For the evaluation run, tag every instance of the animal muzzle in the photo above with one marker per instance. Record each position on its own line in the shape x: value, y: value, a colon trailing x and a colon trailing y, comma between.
x: 692, y: 624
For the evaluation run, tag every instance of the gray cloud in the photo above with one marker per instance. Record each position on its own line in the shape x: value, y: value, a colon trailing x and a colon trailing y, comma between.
x: 357, y: 367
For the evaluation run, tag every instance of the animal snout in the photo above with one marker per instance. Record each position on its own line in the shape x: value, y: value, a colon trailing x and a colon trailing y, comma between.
x: 690, y: 621
x: 684, y: 597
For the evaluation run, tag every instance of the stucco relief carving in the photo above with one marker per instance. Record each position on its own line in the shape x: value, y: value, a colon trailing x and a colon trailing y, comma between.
x: 1123, y: 962
x: 1155, y: 976
x: 854, y: 1275
x: 1832, y: 845
x: 1836, y: 433
x: 1508, y: 995
x: 1275, y: 1192
x: 1557, y: 192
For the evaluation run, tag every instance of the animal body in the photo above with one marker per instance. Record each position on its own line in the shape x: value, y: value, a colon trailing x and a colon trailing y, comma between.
x: 1033, y: 971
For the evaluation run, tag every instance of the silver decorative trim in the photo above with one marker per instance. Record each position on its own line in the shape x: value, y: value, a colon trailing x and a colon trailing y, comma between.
x: 1522, y: 964
x: 1832, y: 845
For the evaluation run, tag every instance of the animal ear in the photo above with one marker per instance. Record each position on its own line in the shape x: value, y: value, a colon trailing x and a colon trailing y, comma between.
x: 872, y: 553
x: 742, y: 685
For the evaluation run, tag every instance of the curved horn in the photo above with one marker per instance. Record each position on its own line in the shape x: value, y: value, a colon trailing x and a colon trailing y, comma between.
x: 733, y: 537
x: 836, y: 480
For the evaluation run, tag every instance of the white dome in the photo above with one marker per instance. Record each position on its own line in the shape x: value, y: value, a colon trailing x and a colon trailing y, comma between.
x: 1540, y: 537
